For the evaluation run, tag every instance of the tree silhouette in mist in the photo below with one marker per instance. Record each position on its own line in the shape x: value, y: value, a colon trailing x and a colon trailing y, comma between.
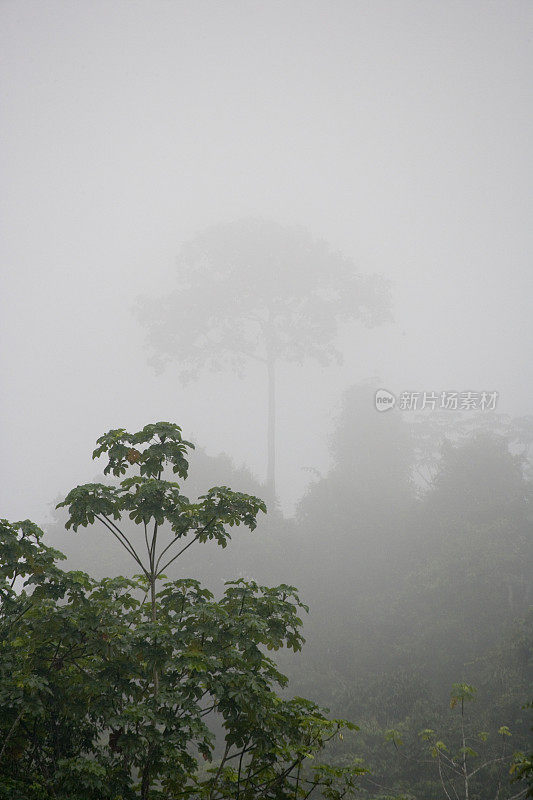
x: 255, y: 290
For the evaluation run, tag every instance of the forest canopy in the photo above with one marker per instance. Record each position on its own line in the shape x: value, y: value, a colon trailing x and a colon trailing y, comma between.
x: 159, y: 685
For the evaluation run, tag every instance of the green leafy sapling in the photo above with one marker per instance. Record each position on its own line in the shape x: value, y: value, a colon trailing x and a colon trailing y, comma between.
x: 478, y: 751
x: 150, y: 501
x: 168, y: 666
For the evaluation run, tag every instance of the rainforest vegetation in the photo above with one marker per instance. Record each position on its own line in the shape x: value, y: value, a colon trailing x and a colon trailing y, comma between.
x: 300, y: 232
x: 412, y: 557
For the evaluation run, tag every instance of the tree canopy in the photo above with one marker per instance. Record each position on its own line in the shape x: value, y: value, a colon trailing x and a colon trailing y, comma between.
x: 108, y: 695
x: 254, y: 290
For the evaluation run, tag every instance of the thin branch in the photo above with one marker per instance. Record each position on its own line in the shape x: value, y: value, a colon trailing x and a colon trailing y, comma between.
x: 152, y: 548
x: 204, y: 711
x: 213, y: 787
x: 160, y: 572
x: 281, y: 775
x: 146, y: 538
x: 521, y: 793
x: 206, y: 526
x: 442, y: 779
x: 239, y: 752
x: 110, y: 521
x: 125, y: 544
x: 19, y: 616
x: 118, y: 534
x: 240, y: 768
x: 311, y: 790
x: 297, y: 781
x: 486, y: 764
x: 11, y: 731
x: 174, y: 540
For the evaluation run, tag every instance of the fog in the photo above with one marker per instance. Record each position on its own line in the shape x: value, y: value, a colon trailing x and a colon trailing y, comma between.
x: 396, y: 132
x: 247, y: 218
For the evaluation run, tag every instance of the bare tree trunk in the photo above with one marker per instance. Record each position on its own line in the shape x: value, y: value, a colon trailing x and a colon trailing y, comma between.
x: 271, y: 432
x: 465, y: 771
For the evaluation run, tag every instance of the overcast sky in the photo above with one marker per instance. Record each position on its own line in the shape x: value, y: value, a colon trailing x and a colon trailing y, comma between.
x: 398, y: 131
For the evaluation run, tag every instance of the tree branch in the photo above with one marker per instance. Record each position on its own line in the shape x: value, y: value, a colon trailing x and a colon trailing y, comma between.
x: 174, y: 540
x: 183, y: 549
x: 11, y: 731
x: 125, y: 544
x: 222, y: 762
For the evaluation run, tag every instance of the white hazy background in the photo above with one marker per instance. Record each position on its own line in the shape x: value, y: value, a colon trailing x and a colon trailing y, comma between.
x: 398, y: 131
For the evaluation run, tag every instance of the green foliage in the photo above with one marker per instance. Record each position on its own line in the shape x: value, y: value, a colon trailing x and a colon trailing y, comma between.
x: 106, y: 695
x: 453, y: 587
x: 522, y: 770
x: 419, y: 582
x: 465, y: 761
x: 462, y: 693
x: 122, y: 449
x: 147, y: 499
x: 522, y: 766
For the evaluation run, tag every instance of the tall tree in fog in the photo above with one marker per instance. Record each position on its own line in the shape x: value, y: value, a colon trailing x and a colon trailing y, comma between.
x: 254, y: 290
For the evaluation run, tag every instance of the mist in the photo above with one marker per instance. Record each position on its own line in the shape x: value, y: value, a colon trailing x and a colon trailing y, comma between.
x: 247, y: 218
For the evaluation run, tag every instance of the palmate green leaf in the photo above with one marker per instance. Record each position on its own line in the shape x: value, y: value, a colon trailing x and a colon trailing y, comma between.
x: 22, y: 552
x: 464, y: 751
x: 151, y: 499
x: 87, y: 502
x: 148, y: 499
x: 462, y: 692
x: 154, y: 447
